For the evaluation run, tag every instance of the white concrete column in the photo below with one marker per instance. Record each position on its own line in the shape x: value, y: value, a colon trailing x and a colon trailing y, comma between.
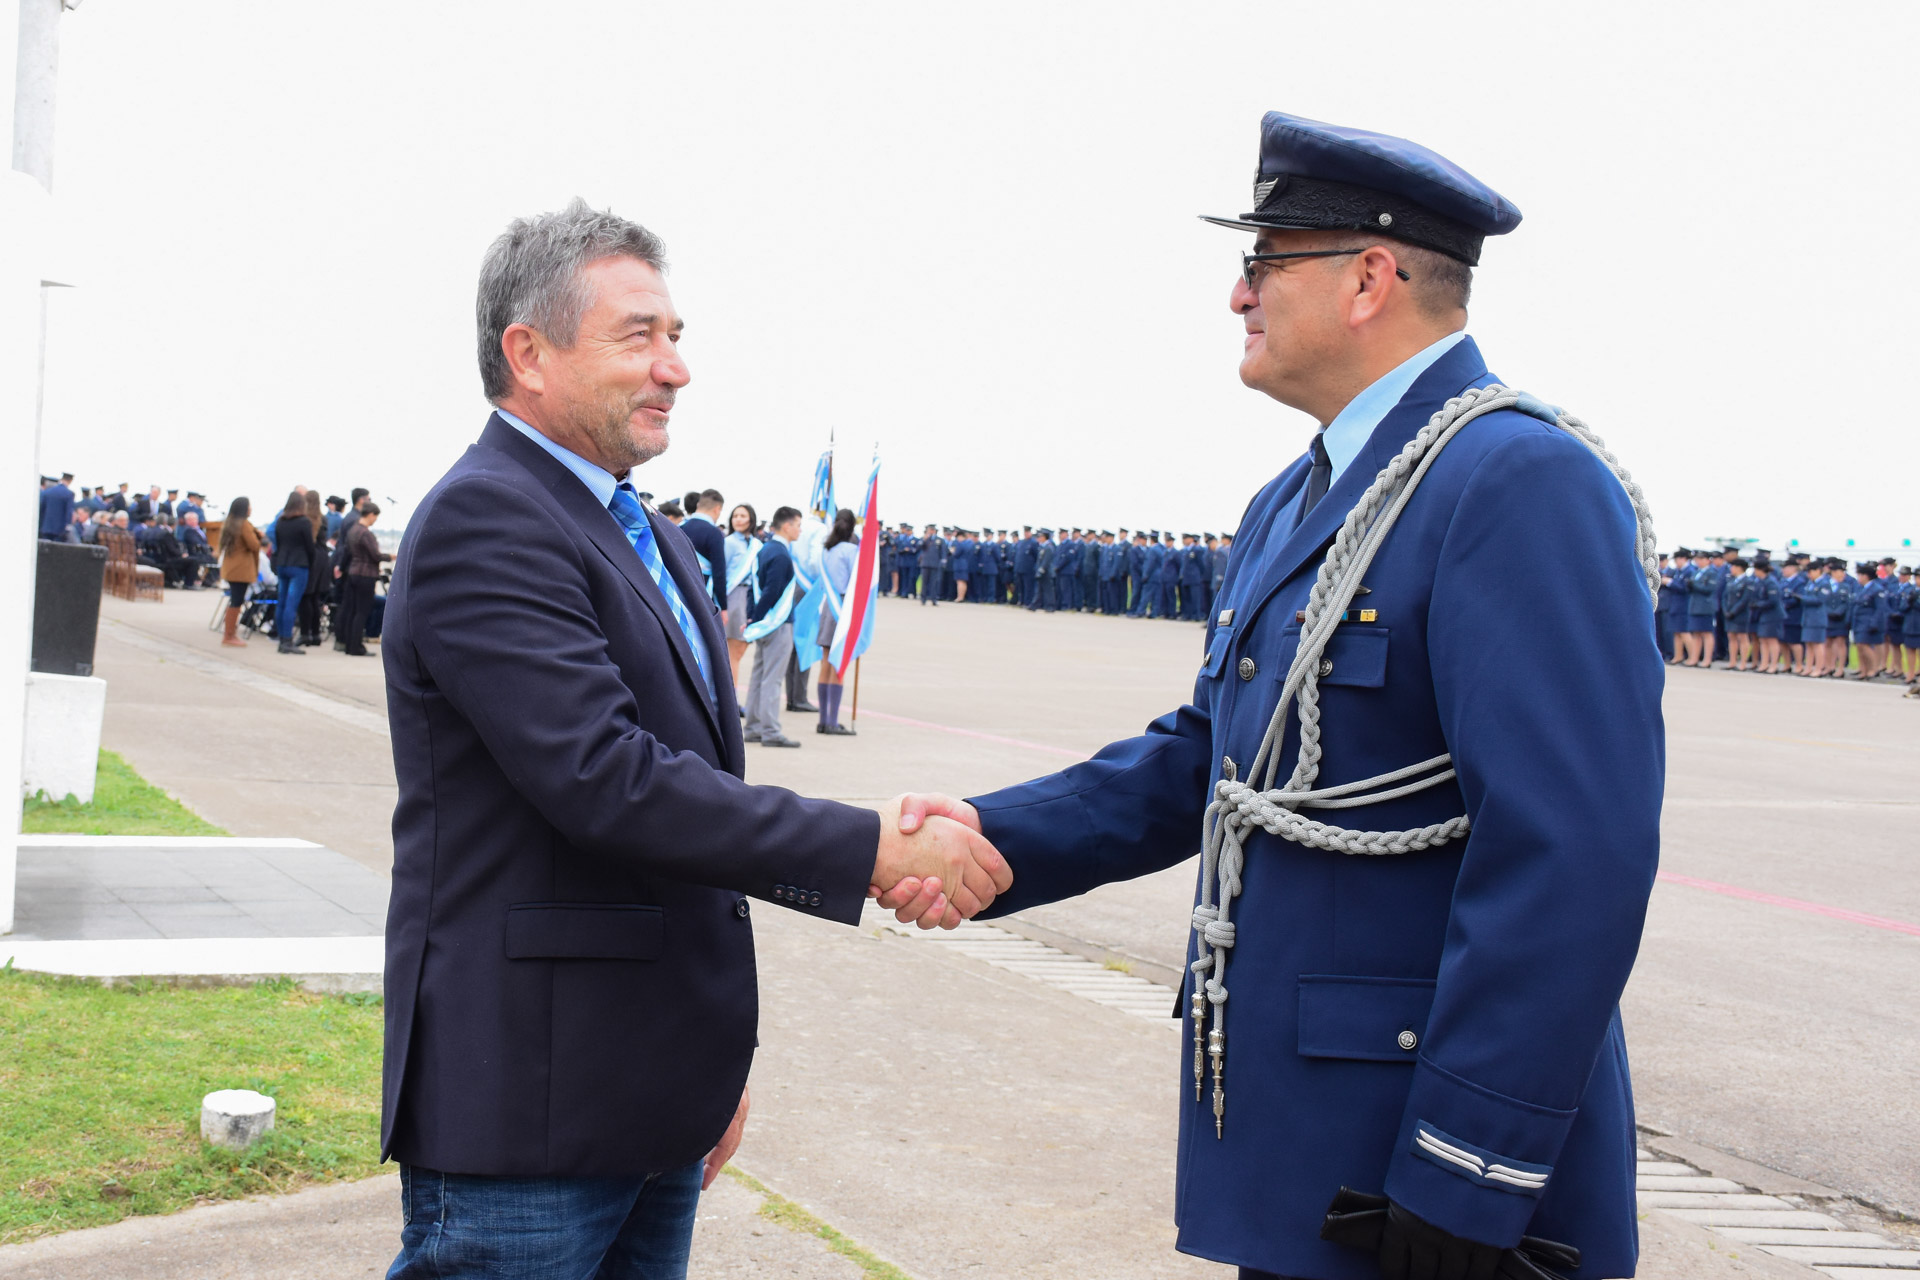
x: 26, y: 238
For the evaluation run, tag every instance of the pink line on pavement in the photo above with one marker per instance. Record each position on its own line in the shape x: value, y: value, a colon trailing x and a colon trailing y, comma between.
x: 1774, y: 900
x: 975, y: 733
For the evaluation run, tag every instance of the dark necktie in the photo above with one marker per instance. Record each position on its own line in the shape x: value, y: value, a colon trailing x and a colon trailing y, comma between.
x: 1319, y: 478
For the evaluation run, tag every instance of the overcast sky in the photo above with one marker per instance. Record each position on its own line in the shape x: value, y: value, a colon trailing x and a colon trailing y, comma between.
x: 966, y: 233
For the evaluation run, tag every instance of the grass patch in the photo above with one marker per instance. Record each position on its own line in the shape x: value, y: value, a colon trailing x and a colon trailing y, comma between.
x: 103, y: 1087
x: 1117, y: 964
x: 777, y: 1209
x: 124, y: 804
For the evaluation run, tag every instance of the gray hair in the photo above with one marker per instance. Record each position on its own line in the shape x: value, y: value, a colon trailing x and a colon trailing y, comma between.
x: 531, y: 276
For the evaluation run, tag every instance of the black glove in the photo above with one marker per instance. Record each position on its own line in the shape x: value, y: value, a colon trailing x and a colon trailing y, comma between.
x: 1410, y: 1248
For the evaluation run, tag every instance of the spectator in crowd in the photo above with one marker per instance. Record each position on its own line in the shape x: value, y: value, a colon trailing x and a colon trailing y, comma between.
x: 77, y: 531
x: 117, y: 502
x: 56, y: 507
x: 336, y: 517
x: 193, y: 543
x: 672, y: 510
x: 145, y: 507
x: 837, y: 561
x: 239, y: 565
x: 161, y: 549
x: 742, y: 547
x: 362, y: 570
x: 195, y: 505
x: 320, y: 578
x: 293, y: 560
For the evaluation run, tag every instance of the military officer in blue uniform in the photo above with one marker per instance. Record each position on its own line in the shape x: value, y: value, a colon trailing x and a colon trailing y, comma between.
x: 963, y: 549
x: 1166, y: 578
x: 1026, y: 555
x: 1194, y: 567
x: 1139, y: 562
x: 1869, y: 620
x: 1089, y: 598
x: 1439, y: 1026
x: 1066, y: 568
x: 986, y: 567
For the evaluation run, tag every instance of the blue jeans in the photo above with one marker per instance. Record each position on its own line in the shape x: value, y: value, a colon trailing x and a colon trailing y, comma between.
x: 286, y: 609
x: 459, y: 1226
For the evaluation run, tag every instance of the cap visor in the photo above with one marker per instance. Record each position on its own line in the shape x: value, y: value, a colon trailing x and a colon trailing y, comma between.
x: 1238, y: 224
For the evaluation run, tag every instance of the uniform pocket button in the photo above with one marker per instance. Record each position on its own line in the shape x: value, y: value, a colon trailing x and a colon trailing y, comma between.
x: 1326, y: 667
x: 1248, y: 669
x: 740, y: 908
x: 1409, y: 1041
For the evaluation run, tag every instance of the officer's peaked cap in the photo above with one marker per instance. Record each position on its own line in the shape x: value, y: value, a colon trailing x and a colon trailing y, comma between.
x: 1316, y: 176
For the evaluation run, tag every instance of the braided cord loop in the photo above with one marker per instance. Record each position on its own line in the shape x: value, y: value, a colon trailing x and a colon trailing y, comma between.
x: 1239, y: 805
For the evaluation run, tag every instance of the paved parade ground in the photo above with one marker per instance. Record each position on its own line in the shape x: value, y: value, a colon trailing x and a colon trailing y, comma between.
x: 955, y: 1114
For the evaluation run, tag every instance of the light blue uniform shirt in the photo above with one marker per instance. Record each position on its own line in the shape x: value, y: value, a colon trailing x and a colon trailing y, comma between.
x: 1347, y: 434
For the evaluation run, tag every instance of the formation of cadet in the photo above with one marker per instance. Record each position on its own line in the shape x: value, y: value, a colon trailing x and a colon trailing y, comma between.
x: 1806, y: 616
x: 1145, y: 574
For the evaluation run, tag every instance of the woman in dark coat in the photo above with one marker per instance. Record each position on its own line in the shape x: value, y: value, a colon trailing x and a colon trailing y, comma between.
x: 294, y: 556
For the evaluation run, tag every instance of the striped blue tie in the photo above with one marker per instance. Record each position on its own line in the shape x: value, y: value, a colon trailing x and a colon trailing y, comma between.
x: 632, y: 516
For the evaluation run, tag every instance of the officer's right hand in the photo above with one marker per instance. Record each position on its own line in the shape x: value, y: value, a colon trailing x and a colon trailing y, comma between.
x: 1411, y: 1248
x: 913, y: 899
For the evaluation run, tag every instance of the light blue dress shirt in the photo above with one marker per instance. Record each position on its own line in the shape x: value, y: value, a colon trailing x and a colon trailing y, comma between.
x: 600, y: 481
x: 1347, y: 434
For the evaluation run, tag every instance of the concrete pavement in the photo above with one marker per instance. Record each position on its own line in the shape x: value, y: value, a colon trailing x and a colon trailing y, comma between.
x: 1766, y: 1030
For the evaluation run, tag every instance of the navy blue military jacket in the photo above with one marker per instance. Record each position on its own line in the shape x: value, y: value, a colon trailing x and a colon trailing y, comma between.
x: 1499, y: 958
x: 570, y: 975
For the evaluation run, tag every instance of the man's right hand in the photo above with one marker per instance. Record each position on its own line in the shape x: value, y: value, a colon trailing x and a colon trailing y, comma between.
x: 935, y: 869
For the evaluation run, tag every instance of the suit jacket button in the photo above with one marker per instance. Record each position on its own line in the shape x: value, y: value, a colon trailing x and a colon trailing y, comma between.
x: 813, y: 899
x: 1409, y: 1041
x: 779, y: 891
x: 1248, y: 669
x: 740, y: 908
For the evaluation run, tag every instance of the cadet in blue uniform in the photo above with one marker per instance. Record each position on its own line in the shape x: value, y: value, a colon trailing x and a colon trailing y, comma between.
x: 1769, y: 616
x: 1045, y: 566
x: 1910, y: 629
x: 1166, y: 578
x: 986, y: 567
x: 1089, y: 601
x: 932, y: 559
x: 1840, y: 593
x: 1066, y: 568
x: 1025, y: 554
x: 1703, y: 603
x: 1869, y: 621
x: 1683, y: 645
x: 1736, y: 608
x: 1194, y: 566
x: 1439, y: 1026
x: 1137, y: 566
x: 963, y: 548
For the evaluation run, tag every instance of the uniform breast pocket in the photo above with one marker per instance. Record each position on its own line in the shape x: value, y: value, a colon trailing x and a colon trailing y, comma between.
x: 1216, y: 657
x: 585, y: 931
x: 1355, y: 656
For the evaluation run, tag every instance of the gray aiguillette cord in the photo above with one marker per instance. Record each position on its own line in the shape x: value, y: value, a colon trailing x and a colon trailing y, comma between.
x: 1239, y: 806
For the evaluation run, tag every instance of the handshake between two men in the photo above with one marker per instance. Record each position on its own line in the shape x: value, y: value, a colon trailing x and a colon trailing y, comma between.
x: 934, y: 867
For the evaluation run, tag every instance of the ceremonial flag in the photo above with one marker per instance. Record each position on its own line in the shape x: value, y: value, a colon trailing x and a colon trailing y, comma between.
x: 822, y: 500
x: 855, y: 629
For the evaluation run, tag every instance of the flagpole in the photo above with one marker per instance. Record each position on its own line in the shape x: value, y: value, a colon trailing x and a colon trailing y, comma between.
x: 856, y: 689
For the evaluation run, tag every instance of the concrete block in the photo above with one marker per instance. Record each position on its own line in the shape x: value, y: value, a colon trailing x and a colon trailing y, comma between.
x: 63, y: 735
x: 235, y: 1118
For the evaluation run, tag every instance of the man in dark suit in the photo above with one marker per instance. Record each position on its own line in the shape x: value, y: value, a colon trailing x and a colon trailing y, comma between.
x: 570, y: 985
x: 56, y: 509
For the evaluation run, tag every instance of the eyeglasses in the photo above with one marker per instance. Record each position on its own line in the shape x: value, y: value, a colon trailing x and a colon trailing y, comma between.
x: 1248, y: 259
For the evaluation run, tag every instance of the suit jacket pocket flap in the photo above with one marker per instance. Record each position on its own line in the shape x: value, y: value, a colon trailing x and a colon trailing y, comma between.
x: 584, y: 931
x: 1371, y: 1019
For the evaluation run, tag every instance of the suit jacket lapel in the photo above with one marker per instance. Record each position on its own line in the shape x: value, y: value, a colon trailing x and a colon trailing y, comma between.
x: 1460, y: 368
x: 605, y: 533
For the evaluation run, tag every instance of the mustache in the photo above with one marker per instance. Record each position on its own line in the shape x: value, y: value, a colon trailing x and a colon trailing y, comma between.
x: 657, y: 400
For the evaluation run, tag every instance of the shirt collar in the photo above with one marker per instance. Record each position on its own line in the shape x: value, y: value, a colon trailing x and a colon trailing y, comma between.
x: 599, y: 481
x: 1348, y: 433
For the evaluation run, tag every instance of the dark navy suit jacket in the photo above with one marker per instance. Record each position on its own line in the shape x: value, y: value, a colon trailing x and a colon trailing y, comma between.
x: 570, y: 976
x: 711, y: 543
x: 1504, y: 954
